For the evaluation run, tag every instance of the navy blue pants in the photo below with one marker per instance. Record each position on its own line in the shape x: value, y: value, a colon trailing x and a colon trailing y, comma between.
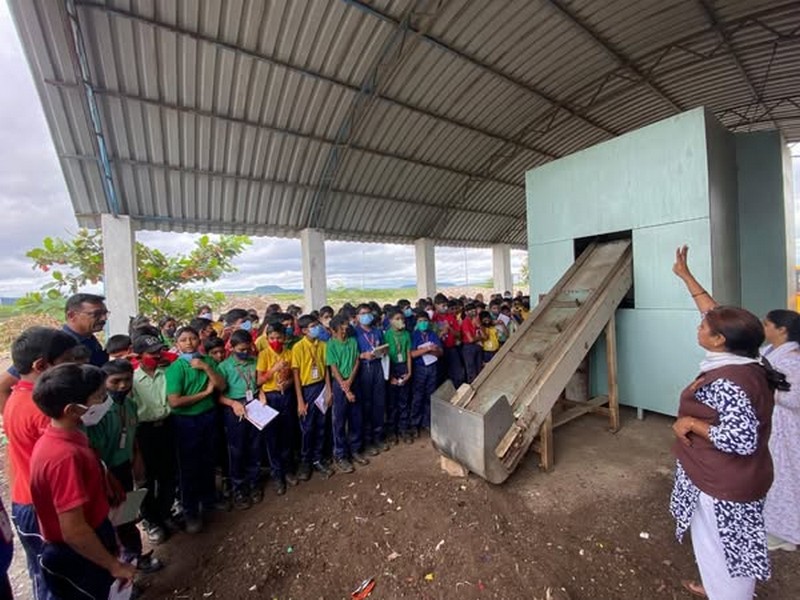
x: 278, y: 434
x: 157, y: 444
x: 24, y: 518
x: 371, y: 394
x: 473, y: 360
x: 346, y: 423
x: 398, y: 401
x: 312, y: 426
x: 424, y: 385
x: 71, y: 576
x: 487, y: 355
x: 244, y: 450
x: 455, y: 367
x: 196, y: 441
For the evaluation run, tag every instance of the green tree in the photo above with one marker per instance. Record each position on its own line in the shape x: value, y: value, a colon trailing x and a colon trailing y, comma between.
x: 166, y: 282
x: 524, y: 273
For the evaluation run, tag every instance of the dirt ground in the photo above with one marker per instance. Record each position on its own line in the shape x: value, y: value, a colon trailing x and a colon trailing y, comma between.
x: 422, y: 534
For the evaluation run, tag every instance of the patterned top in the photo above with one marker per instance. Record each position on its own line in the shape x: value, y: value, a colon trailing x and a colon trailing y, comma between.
x: 740, y: 524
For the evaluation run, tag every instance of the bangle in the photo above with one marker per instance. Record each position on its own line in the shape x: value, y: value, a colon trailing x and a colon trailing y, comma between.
x: 699, y: 294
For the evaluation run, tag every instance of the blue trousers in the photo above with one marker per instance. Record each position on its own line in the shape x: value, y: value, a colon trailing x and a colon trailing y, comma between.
x: 312, y: 426
x: 424, y: 385
x: 488, y: 355
x: 398, y: 402
x: 24, y: 518
x: 73, y: 577
x: 473, y: 360
x: 278, y: 434
x: 244, y: 451
x: 346, y: 423
x: 454, y: 365
x: 371, y: 394
x: 196, y: 441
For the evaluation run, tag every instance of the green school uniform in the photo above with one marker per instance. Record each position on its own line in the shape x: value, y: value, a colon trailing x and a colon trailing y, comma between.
x: 113, y: 436
x: 240, y: 377
x: 184, y: 380
x: 342, y: 354
x: 399, y: 345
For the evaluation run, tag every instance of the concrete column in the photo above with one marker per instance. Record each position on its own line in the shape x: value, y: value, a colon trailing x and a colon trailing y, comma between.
x: 501, y: 268
x: 425, y: 251
x: 120, y: 274
x: 315, y: 285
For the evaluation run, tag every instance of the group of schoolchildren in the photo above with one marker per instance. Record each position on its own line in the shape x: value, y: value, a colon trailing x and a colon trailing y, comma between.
x: 168, y: 409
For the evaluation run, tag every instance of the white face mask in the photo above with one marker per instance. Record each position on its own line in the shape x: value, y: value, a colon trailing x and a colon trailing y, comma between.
x: 96, y: 412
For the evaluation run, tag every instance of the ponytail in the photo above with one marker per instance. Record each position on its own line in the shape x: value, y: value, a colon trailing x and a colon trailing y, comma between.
x: 775, y: 379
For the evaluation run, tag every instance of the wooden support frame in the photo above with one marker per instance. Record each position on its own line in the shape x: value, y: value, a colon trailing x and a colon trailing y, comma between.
x: 607, y: 405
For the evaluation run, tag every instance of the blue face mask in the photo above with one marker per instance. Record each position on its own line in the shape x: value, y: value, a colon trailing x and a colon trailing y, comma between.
x: 407, y: 313
x: 188, y: 356
x: 315, y: 331
x: 366, y: 319
x: 246, y: 325
x: 290, y: 331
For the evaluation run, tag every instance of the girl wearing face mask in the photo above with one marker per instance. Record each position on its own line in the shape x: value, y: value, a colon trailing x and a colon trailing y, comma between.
x: 426, y: 349
x: 398, y: 407
x: 371, y: 383
x: 244, y: 440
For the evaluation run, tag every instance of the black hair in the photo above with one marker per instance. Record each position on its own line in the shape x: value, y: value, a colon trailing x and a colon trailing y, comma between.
x: 164, y: 320
x: 402, y: 303
x: 213, y: 342
x: 137, y: 323
x: 788, y: 319
x: 338, y: 321
x: 146, y: 330
x: 440, y: 299
x: 775, y: 379
x: 470, y: 306
x: 203, y: 308
x: 421, y: 314
x: 484, y: 314
x: 306, y: 320
x: 276, y: 327
x: 81, y: 354
x: 393, y: 312
x: 315, y: 314
x: 363, y: 306
x: 326, y: 310
x: 75, y: 301
x: 120, y: 366
x: 40, y: 342
x: 348, y: 312
x: 66, y: 384
x: 184, y: 329
x: 495, y: 302
x: 273, y: 308
x: 240, y: 336
x: 199, y: 324
x: 235, y: 314
x: 118, y: 343
x: 742, y: 330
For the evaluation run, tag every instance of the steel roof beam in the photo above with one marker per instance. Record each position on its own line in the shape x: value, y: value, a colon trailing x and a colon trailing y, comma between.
x: 293, y: 132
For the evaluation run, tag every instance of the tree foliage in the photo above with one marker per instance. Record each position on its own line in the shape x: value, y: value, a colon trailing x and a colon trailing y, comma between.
x: 167, y: 283
x: 524, y: 273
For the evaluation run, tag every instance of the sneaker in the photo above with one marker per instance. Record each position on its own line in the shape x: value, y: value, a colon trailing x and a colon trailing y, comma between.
x: 304, y: 472
x: 384, y: 446
x: 147, y: 563
x: 343, y: 465
x: 372, y: 451
x: 360, y: 458
x: 155, y: 534
x: 194, y: 524
x: 323, y: 469
x: 280, y: 487
x: 241, y: 501
x: 290, y: 479
x: 256, y: 495
x: 393, y: 439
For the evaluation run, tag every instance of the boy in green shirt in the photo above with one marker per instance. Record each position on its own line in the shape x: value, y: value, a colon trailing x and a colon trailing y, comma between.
x: 341, y: 355
x: 244, y: 440
x: 398, y: 406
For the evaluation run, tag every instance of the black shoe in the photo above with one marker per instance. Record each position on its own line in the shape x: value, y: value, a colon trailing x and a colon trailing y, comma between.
x: 304, y: 472
x: 360, y: 458
x: 384, y: 446
x: 372, y: 451
x: 280, y: 487
x: 290, y: 479
x: 408, y: 437
x: 344, y: 466
x: 323, y: 469
x: 393, y: 439
x: 256, y: 495
x: 241, y: 501
x: 147, y: 563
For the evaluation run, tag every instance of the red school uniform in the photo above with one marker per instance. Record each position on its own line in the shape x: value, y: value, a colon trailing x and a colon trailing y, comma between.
x: 468, y: 331
x: 66, y: 474
x: 24, y: 424
x: 449, y: 340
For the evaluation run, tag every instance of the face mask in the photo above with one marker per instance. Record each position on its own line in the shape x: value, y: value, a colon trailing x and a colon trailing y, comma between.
x: 315, y: 331
x: 118, y: 395
x: 206, y: 315
x: 407, y: 312
x: 95, y: 413
x: 290, y: 331
x: 441, y: 310
x: 188, y: 356
x: 242, y: 355
x: 423, y: 325
x: 276, y: 345
x: 366, y: 319
x: 430, y: 313
x: 148, y: 362
x: 246, y: 325
x: 399, y: 324
x: 170, y: 332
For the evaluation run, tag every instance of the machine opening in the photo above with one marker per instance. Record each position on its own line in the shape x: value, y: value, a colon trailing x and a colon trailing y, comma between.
x: 580, y: 244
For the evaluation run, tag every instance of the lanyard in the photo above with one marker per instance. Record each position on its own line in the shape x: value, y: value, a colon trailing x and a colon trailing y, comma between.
x: 247, y: 376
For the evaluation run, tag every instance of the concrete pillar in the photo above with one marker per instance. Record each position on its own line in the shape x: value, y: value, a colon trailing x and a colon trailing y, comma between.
x: 425, y: 251
x: 120, y: 274
x: 315, y: 285
x: 501, y: 268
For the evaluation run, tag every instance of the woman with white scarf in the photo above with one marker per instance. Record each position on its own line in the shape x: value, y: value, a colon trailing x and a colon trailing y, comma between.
x: 724, y: 468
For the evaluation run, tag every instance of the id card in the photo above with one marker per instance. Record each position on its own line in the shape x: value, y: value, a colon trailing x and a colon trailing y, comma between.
x: 249, y: 396
x: 399, y: 357
x: 314, y: 372
x: 123, y: 440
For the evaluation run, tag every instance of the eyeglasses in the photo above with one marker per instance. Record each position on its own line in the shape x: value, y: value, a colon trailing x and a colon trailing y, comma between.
x: 96, y: 313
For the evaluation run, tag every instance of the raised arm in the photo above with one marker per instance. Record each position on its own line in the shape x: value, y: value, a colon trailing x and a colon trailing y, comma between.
x: 704, y: 301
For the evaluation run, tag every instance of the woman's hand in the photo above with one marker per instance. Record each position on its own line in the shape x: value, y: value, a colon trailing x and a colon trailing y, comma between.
x: 682, y: 428
x: 681, y: 266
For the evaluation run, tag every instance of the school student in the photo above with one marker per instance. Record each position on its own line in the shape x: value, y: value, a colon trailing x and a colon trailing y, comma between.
x: 491, y: 337
x: 244, y: 440
x: 79, y: 557
x: 342, y: 357
x: 426, y: 350
x: 325, y: 318
x: 215, y: 350
x: 113, y: 438
x: 311, y: 382
x: 398, y: 405
x: 371, y: 382
x: 471, y: 338
x: 154, y: 437
x: 191, y: 381
x: 119, y: 346
x: 274, y: 374
x: 32, y: 353
x: 449, y: 332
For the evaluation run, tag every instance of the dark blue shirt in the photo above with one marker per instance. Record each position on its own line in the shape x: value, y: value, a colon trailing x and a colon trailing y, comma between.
x: 368, y: 340
x: 98, y: 356
x: 418, y: 338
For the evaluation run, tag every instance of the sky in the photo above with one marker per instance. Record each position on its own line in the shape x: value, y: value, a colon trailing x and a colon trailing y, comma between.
x: 35, y: 203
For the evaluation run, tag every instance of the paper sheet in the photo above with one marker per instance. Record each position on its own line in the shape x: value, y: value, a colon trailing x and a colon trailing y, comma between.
x: 429, y: 359
x: 116, y: 592
x: 129, y: 510
x: 320, y: 402
x: 381, y: 351
x: 504, y: 319
x: 259, y: 414
x: 385, y: 366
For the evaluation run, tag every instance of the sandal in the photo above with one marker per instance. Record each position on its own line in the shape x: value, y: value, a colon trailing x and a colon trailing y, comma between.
x: 694, y: 588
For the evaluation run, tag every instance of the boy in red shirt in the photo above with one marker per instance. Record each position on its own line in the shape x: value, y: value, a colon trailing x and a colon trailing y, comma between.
x: 448, y: 329
x: 33, y: 352
x: 79, y: 558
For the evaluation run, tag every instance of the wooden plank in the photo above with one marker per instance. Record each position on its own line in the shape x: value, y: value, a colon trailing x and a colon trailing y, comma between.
x: 611, y: 365
x: 579, y: 410
x: 508, y: 441
x: 546, y: 444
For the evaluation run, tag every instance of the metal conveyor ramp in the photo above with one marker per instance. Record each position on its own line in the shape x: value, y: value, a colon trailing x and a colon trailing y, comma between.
x: 488, y: 426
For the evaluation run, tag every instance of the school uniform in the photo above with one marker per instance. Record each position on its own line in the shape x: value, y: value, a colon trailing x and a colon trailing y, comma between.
x: 346, y: 415
x: 308, y: 357
x: 195, y: 436
x: 66, y: 474
x: 113, y: 439
x: 371, y: 387
x: 448, y: 330
x: 156, y: 438
x: 243, y: 438
x: 490, y: 343
x: 424, y: 378
x: 398, y: 405
x: 471, y: 351
x: 279, y: 393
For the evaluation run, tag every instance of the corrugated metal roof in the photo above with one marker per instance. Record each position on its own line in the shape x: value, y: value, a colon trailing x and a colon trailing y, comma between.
x: 383, y: 120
